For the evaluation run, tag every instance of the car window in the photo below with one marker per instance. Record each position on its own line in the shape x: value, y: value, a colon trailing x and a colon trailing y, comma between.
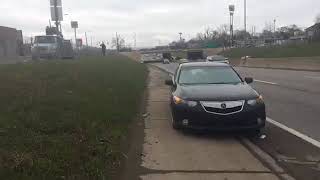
x: 208, y: 75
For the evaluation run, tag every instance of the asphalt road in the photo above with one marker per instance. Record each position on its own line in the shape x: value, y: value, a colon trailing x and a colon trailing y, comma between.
x: 292, y: 97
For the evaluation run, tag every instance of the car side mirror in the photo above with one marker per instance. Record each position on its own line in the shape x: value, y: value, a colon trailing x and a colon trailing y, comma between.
x: 248, y: 80
x: 169, y: 82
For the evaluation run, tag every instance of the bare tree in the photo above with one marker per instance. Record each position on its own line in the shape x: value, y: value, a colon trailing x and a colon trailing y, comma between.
x: 317, y: 19
x: 118, y: 42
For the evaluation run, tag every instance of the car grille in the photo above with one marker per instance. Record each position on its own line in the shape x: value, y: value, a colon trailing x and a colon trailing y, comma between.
x: 223, y: 108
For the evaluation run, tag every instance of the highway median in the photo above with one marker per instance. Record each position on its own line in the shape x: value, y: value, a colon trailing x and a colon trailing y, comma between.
x: 62, y: 119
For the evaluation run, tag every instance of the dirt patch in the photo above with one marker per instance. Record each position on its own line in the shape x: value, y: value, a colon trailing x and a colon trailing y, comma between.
x: 133, y: 150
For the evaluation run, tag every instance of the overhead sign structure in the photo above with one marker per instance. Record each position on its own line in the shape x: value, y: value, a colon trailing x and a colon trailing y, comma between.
x: 74, y: 24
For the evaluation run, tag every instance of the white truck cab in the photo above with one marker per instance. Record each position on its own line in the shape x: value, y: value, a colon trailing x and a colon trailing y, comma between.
x: 47, y: 46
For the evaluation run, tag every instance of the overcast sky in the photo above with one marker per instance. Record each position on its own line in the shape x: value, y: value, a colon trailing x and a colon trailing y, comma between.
x: 154, y: 21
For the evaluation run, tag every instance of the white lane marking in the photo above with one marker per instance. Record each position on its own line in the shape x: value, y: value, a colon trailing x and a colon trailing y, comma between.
x: 296, y: 133
x: 313, y: 77
x: 266, y: 82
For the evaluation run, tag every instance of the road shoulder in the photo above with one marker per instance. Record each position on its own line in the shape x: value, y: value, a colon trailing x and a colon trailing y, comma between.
x: 169, y: 154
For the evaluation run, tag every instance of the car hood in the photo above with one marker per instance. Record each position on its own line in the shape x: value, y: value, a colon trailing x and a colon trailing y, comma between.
x: 216, y: 92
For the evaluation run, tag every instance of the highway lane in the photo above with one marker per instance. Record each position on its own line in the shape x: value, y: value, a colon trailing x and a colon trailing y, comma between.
x: 292, y: 97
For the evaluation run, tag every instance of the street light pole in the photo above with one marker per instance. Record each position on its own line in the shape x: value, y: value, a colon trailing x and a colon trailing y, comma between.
x: 86, y: 38
x: 231, y: 9
x: 180, y: 36
x: 245, y: 15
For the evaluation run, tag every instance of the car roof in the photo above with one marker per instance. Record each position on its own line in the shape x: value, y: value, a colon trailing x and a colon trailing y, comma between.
x: 205, y: 64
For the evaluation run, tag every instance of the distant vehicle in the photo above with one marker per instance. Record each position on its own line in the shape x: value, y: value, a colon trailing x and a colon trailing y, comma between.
x: 166, y: 61
x: 167, y: 55
x: 183, y: 61
x: 218, y: 58
x: 147, y: 58
x: 212, y: 96
x: 47, y: 46
x: 67, y: 50
x: 195, y: 55
x: 51, y: 47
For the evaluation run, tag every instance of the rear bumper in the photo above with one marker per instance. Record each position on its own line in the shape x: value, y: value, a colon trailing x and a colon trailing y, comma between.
x: 250, y: 118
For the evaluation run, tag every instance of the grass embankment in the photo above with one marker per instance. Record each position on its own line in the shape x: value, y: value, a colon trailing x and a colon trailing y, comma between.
x: 305, y: 50
x: 66, y: 119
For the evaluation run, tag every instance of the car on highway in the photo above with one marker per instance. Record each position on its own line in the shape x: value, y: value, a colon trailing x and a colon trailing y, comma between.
x: 166, y: 61
x: 218, y: 58
x: 195, y: 55
x: 212, y: 96
x: 150, y: 58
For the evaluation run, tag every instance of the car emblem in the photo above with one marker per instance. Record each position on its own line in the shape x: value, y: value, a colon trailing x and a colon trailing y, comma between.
x: 224, y: 106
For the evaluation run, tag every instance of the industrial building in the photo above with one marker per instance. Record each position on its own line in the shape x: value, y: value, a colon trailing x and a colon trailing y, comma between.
x: 11, y: 42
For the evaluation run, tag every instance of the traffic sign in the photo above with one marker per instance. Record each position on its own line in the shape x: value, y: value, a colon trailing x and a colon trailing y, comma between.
x: 52, y: 2
x: 79, y: 42
x: 74, y: 24
x: 53, y: 14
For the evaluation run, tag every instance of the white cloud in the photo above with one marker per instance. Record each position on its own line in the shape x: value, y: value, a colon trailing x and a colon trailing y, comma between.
x: 153, y: 21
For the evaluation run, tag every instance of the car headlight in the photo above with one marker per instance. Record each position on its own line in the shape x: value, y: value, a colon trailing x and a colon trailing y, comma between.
x: 177, y: 100
x: 253, y: 102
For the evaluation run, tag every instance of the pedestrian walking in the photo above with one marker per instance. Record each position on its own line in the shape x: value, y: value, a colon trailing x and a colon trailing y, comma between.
x: 103, y: 48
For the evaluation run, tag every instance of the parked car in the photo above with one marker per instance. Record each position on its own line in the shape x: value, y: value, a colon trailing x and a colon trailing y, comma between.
x: 166, y: 61
x: 218, y: 58
x: 195, y: 55
x: 212, y: 96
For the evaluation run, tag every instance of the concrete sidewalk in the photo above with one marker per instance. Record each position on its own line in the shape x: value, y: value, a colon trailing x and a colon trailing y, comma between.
x: 174, y: 155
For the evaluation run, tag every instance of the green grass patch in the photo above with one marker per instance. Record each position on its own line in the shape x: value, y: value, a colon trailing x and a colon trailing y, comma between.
x: 305, y: 50
x: 66, y: 119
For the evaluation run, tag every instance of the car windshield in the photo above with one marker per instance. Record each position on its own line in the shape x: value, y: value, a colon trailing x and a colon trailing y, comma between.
x: 45, y: 39
x: 208, y: 75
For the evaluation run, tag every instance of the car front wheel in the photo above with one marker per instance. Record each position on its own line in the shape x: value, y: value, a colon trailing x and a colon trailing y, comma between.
x: 175, y: 123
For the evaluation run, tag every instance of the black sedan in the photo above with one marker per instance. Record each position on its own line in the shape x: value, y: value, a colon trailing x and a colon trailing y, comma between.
x: 212, y: 96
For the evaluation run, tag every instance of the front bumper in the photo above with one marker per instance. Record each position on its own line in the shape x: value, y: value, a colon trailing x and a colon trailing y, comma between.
x: 250, y: 118
x: 43, y: 53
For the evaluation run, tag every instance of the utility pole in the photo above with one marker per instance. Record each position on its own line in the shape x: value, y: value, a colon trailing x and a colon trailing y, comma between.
x: 231, y: 10
x: 86, y: 38
x: 180, y: 36
x: 117, y: 42
x: 135, y: 40
x: 245, y: 15
x: 75, y: 36
x: 274, y: 25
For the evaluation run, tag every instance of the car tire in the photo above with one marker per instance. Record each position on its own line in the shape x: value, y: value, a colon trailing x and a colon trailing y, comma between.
x: 175, y: 124
x: 255, y: 132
